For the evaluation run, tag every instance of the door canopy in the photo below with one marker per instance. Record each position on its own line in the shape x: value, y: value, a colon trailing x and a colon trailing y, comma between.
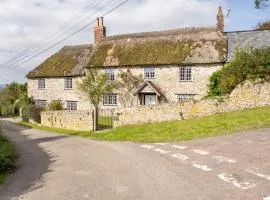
x: 148, y: 87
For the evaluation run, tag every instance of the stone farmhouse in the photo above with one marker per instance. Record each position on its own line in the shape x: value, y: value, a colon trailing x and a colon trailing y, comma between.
x: 175, y: 64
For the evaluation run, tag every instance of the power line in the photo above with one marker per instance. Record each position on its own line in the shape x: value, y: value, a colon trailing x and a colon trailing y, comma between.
x: 50, y: 36
x: 67, y: 37
x: 23, y: 57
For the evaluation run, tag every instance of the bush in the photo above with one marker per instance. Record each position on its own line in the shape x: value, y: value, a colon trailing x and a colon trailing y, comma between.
x: 25, y: 113
x: 7, y: 156
x: 35, y: 113
x: 55, y: 105
x: 6, y: 108
x: 247, y: 64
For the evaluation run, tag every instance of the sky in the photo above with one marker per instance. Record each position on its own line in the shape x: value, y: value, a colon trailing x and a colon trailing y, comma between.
x: 36, y: 25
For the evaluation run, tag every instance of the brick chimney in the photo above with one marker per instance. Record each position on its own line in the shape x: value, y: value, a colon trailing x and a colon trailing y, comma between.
x: 100, y: 30
x: 220, y: 20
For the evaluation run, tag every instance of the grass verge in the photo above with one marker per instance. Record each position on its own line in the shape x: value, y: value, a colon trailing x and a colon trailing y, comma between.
x: 7, y: 158
x: 175, y: 131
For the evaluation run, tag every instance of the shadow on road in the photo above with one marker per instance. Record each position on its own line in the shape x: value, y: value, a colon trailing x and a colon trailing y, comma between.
x: 33, y: 162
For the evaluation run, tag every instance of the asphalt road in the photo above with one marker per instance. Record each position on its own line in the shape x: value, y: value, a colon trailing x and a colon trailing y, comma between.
x: 57, y: 167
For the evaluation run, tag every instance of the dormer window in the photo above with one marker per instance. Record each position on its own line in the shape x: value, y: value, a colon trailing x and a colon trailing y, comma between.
x: 149, y: 73
x: 41, y: 83
x: 110, y: 72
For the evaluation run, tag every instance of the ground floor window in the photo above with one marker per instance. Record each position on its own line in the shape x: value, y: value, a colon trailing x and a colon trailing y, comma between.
x: 72, y: 105
x: 42, y: 103
x: 184, y: 97
x: 110, y: 100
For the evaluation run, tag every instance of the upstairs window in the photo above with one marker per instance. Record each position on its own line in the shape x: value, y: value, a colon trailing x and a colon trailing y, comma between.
x: 149, y: 73
x: 42, y: 103
x: 72, y: 105
x: 184, y: 97
x: 110, y: 100
x: 41, y: 83
x: 68, y: 84
x: 110, y: 72
x: 185, y: 74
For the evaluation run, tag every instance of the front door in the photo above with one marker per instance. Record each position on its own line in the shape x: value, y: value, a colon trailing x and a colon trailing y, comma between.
x: 150, y: 99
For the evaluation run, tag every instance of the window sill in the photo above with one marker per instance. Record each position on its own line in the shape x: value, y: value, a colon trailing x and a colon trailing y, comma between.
x: 68, y: 89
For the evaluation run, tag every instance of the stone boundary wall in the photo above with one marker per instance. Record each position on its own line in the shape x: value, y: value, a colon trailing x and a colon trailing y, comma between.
x: 248, y: 95
x: 71, y: 120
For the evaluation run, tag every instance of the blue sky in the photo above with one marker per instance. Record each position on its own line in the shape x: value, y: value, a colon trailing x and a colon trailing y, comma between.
x: 25, y: 28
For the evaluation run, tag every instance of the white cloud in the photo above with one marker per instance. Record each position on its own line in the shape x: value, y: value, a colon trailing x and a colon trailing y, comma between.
x: 25, y: 23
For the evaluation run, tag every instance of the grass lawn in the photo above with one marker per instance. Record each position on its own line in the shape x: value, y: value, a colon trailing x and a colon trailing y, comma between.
x: 175, y: 131
x: 220, y: 124
x: 7, y: 158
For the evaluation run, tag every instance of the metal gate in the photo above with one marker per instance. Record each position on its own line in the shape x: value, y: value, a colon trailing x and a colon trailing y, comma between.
x: 105, y: 119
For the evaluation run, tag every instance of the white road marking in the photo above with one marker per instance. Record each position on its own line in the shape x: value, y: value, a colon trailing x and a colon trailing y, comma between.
x: 231, y: 179
x: 161, y: 151
x: 202, y: 167
x: 179, y: 147
x: 267, y: 177
x: 180, y: 156
x: 201, y: 152
x: 162, y: 144
x: 224, y: 159
x: 147, y: 146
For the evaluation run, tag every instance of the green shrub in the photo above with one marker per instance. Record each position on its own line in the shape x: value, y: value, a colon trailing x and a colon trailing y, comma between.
x: 55, y: 105
x: 35, y: 113
x: 7, y: 156
x: 25, y: 113
x: 6, y: 108
x: 247, y: 64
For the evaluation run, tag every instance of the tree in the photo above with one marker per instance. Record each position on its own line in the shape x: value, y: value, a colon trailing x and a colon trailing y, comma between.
x: 261, y: 3
x: 127, y: 83
x: 264, y: 25
x: 95, y: 85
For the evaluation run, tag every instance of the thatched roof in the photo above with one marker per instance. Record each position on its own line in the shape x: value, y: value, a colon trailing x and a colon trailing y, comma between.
x: 186, y: 46
x: 69, y: 61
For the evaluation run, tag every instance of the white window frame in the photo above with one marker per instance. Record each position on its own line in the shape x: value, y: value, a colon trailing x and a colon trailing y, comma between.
x: 185, y: 74
x: 110, y: 72
x: 72, y: 105
x: 110, y: 99
x: 41, y: 102
x: 149, y: 73
x: 68, y: 83
x: 41, y: 83
x: 185, y: 97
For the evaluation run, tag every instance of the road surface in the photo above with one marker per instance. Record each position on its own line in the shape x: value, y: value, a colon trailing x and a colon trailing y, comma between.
x: 59, y: 167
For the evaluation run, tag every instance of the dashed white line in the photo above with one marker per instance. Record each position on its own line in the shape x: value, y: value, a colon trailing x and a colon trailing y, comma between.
x: 179, y: 147
x: 147, y: 146
x: 224, y: 159
x: 162, y: 144
x: 161, y: 151
x: 267, y: 177
x: 202, y: 167
x: 201, y: 152
x: 231, y: 179
x: 180, y: 156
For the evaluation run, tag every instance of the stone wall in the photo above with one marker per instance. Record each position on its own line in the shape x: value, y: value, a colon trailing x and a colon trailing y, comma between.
x: 71, y: 120
x: 55, y: 90
x: 246, y: 96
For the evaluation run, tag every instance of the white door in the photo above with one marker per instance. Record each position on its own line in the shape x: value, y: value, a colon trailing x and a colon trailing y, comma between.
x: 150, y: 99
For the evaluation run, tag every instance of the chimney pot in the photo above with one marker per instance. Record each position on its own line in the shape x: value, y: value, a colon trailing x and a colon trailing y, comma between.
x: 100, y: 30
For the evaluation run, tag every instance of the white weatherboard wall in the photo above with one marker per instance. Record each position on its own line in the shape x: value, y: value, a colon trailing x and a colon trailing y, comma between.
x: 249, y: 95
